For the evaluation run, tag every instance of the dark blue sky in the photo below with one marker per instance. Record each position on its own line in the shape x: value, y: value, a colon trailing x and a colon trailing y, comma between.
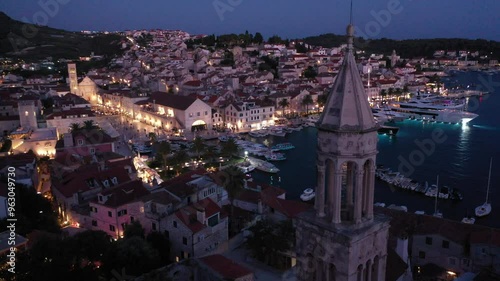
x: 287, y: 18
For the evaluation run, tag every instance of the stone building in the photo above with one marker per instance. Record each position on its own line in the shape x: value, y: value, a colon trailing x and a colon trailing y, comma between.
x: 342, y: 239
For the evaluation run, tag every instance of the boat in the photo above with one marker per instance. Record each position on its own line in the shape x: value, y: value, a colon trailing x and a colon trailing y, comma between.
x: 388, y: 130
x: 307, y: 195
x: 223, y: 138
x: 485, y: 208
x: 267, y: 167
x: 282, y: 146
x: 419, y: 212
x: 468, y: 219
x: 278, y: 132
x: 398, y: 208
x: 275, y: 157
x: 246, y: 167
x: 379, y: 204
x: 435, y: 115
x: 437, y: 213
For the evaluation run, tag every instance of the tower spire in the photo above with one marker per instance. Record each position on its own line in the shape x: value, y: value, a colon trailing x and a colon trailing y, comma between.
x: 350, y: 15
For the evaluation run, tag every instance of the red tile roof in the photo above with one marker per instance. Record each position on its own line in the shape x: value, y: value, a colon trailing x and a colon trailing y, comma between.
x: 124, y: 193
x: 289, y: 208
x: 188, y: 214
x: 178, y: 185
x: 171, y: 100
x: 228, y: 269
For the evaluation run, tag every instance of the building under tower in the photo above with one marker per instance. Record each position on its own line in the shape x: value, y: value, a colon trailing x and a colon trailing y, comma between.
x: 342, y: 239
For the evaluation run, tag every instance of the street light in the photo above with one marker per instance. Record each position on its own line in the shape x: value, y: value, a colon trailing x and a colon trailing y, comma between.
x: 246, y: 154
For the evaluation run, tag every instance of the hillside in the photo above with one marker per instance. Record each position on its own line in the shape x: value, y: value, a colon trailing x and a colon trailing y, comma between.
x: 34, y: 42
x: 410, y: 48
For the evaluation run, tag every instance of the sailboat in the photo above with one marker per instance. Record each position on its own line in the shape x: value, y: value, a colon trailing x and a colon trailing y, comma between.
x: 436, y: 212
x: 468, y: 219
x: 485, y: 209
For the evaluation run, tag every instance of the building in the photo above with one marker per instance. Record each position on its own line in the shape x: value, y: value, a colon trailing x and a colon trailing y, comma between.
x: 73, y: 78
x: 220, y: 268
x: 196, y: 230
x: 249, y: 115
x: 25, y: 165
x: 191, y: 113
x: 109, y: 211
x: 84, y: 143
x: 342, y: 240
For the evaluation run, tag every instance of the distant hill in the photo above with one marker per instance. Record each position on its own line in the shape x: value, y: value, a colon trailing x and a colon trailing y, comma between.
x: 410, y: 48
x: 31, y: 41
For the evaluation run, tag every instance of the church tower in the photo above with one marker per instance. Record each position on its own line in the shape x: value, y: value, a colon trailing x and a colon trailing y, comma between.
x: 394, y: 59
x: 341, y: 239
x: 73, y: 78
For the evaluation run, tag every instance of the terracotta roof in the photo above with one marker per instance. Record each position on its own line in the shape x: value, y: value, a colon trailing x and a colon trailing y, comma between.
x: 188, y: 215
x: 124, y: 193
x: 226, y: 268
x: 171, y: 100
x: 289, y: 208
x: 77, y: 180
x: 17, y: 160
x: 395, y: 266
x: 178, y: 185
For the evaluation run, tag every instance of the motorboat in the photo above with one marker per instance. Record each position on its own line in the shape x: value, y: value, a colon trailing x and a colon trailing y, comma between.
x: 282, y: 146
x: 437, y: 213
x: 275, y: 157
x: 379, y: 204
x: 398, y: 208
x: 388, y: 130
x: 419, y: 212
x: 485, y: 208
x: 267, y: 167
x: 435, y: 115
x: 307, y: 195
x: 468, y: 220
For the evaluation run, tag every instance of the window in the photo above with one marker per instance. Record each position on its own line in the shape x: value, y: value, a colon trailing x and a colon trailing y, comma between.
x: 190, y: 114
x: 446, y: 244
x: 110, y: 214
x: 184, y: 240
x: 122, y: 212
x: 94, y: 223
x: 198, y: 114
x: 213, y: 220
x: 175, y: 224
x: 26, y: 113
x: 153, y: 226
x: 428, y: 240
x: 131, y: 219
x: 206, y: 113
x: 100, y: 198
x: 93, y: 209
x: 421, y: 255
x: 106, y: 183
x: 263, y: 110
x: 111, y: 227
x: 452, y: 261
x: 80, y: 142
x: 92, y: 151
x: 114, y: 180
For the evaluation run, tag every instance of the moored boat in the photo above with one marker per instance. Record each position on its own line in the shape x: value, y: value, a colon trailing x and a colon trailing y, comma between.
x: 307, y: 195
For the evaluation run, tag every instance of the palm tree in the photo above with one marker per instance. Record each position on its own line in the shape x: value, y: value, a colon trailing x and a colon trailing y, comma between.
x: 383, y: 94
x: 283, y: 104
x: 179, y: 159
x: 164, y: 151
x: 229, y: 148
x: 233, y: 182
x: 152, y: 137
x: 398, y: 93
x: 322, y: 100
x: 198, y: 145
x: 89, y: 125
x: 390, y: 92
x: 74, y: 127
x: 306, y: 102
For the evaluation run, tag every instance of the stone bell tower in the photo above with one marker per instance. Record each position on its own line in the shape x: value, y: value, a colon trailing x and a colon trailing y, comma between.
x: 341, y: 239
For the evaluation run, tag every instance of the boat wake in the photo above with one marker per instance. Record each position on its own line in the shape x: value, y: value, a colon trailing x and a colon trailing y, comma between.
x: 490, y: 128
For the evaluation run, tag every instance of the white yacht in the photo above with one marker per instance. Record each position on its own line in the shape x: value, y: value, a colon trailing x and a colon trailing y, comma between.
x: 435, y: 115
x: 307, y: 195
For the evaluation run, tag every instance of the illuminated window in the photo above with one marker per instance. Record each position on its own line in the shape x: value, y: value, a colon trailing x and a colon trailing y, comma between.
x: 26, y: 113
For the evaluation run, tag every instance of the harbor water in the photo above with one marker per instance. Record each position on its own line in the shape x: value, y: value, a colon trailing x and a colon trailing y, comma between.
x: 459, y: 155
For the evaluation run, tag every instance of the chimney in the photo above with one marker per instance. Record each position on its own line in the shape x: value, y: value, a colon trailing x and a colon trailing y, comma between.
x: 68, y: 140
x: 402, y: 248
x: 200, y: 215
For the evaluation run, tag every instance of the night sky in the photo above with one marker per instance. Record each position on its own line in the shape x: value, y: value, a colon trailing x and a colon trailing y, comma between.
x: 286, y: 18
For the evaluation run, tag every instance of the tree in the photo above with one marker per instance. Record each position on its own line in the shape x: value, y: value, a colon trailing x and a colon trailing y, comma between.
x: 198, y: 145
x: 164, y: 150
x: 275, y: 39
x: 307, y: 101
x: 405, y: 89
x: 283, y: 104
x: 268, y: 239
x: 390, y: 92
x: 258, y: 38
x: 229, y: 148
x: 383, y: 93
x: 152, y: 137
x: 310, y: 72
x: 322, y: 100
x: 74, y: 127
x: 233, y: 182
x: 48, y: 103
x: 89, y: 125
x: 179, y: 159
x: 160, y: 242
x: 134, y: 229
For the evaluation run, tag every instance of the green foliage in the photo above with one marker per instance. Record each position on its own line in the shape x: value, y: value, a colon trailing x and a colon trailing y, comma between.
x: 322, y: 99
x: 198, y: 145
x: 258, y: 38
x: 310, y: 72
x: 160, y: 243
x: 229, y: 148
x: 6, y: 146
x: 284, y: 103
x: 307, y: 101
x: 48, y: 103
x: 275, y: 39
x: 269, y: 239
x: 134, y: 229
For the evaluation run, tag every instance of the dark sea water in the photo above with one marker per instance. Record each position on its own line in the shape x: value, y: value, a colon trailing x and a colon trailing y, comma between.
x: 461, y: 161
